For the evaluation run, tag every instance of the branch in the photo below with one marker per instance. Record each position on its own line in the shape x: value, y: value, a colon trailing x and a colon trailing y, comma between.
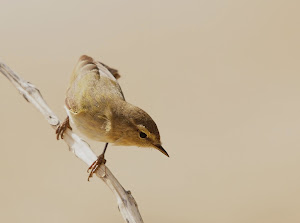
x: 126, y: 203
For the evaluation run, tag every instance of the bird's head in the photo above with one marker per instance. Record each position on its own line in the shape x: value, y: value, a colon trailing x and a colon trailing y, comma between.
x: 139, y: 129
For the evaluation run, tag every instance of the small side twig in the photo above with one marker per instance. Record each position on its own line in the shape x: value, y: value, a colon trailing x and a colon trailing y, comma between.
x: 126, y: 203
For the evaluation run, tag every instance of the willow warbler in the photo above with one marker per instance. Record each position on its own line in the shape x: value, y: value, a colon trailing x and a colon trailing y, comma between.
x: 96, y: 105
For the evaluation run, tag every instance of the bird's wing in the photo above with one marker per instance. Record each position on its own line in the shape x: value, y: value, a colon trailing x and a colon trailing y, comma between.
x: 93, y: 79
x: 113, y: 71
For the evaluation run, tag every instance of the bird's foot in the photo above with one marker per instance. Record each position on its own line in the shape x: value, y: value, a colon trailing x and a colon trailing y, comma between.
x: 62, y: 128
x: 94, y: 167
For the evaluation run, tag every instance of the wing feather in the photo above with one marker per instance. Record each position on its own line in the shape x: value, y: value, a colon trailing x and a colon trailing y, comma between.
x: 92, y: 79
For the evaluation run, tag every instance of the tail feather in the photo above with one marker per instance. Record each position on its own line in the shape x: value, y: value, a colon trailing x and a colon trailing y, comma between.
x: 87, y: 64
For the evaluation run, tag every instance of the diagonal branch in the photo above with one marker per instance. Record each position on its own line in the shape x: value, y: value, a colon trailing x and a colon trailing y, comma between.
x: 126, y: 203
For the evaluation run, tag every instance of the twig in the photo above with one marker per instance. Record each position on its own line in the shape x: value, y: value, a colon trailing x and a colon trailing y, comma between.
x: 126, y: 203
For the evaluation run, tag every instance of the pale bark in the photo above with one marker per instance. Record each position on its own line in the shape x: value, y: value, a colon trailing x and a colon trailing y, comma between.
x: 126, y: 203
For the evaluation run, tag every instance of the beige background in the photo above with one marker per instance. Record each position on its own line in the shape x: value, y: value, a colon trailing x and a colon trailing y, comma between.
x: 220, y: 78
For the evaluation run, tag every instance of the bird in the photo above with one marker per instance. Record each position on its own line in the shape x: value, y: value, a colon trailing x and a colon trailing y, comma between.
x: 97, y: 107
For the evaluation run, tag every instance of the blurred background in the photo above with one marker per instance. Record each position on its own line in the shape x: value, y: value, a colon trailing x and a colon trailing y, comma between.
x: 219, y: 77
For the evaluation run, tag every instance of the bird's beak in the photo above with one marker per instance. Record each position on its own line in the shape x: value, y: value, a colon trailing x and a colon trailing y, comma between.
x: 161, y: 149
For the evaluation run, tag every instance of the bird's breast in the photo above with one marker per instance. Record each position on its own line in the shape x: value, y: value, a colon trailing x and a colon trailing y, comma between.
x: 93, y: 125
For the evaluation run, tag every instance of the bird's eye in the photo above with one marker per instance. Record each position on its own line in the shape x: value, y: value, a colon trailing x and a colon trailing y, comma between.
x: 143, y: 135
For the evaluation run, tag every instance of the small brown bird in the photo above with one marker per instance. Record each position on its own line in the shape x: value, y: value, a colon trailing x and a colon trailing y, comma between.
x: 96, y: 105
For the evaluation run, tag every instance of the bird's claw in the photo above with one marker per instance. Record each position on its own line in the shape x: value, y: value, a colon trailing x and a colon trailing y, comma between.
x: 60, y: 130
x: 94, y: 167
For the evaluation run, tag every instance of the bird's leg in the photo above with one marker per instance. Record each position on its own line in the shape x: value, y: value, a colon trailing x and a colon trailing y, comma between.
x: 94, y: 167
x: 62, y: 128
